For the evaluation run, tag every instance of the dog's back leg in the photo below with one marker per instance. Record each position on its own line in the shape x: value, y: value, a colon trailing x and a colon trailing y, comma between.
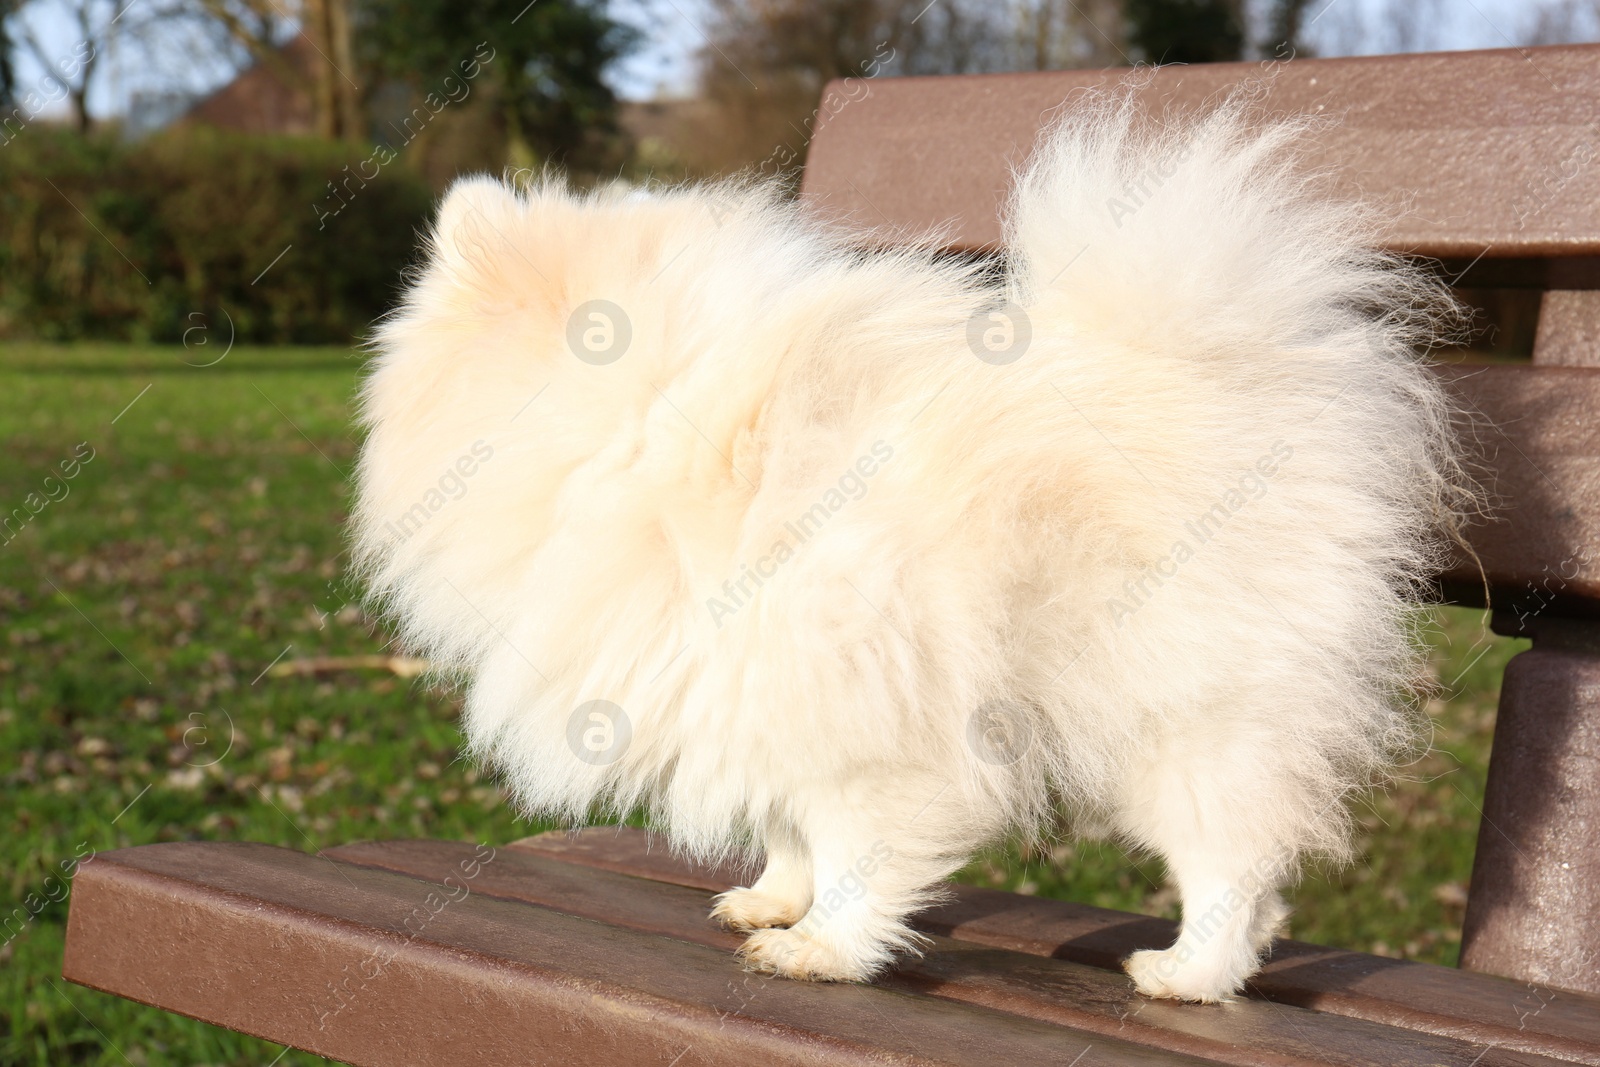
x: 1209, y: 810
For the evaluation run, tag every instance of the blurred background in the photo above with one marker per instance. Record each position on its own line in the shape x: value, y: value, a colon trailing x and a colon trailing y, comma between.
x: 199, y: 134
x: 203, y: 206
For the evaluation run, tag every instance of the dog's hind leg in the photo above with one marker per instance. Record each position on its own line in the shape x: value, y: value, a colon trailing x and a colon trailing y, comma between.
x: 1217, y: 837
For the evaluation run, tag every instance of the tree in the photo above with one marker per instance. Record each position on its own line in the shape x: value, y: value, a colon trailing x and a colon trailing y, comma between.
x: 765, y: 62
x: 547, y: 64
x: 8, y: 72
x: 1286, y: 24
x: 326, y: 23
x: 1068, y: 34
x: 1186, y: 31
x: 763, y: 68
x: 95, y: 24
x: 227, y: 33
x: 258, y: 27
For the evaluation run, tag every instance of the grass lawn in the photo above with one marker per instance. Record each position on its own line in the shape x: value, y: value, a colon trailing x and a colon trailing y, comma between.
x: 200, y: 541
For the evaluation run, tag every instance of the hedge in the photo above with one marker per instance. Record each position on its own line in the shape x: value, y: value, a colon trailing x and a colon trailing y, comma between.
x: 101, y: 239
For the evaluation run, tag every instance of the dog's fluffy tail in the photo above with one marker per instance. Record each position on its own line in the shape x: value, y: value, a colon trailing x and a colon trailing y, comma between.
x: 1210, y: 239
x: 1205, y: 235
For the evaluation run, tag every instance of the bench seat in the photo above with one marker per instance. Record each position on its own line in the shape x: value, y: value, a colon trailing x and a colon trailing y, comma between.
x: 596, y: 948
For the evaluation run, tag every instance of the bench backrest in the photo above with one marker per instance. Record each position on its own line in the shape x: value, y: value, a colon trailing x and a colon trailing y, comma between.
x: 1488, y: 161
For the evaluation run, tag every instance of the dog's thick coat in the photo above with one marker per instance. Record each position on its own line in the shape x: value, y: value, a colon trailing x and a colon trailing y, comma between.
x: 869, y: 559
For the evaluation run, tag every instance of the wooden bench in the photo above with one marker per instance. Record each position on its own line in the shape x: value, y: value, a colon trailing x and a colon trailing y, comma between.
x: 596, y: 948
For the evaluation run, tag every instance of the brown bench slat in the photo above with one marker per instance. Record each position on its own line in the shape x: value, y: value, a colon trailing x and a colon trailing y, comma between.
x: 910, y: 154
x: 1569, y: 328
x: 1475, y: 1008
x: 1540, y: 439
x: 267, y: 941
x: 1251, y: 1033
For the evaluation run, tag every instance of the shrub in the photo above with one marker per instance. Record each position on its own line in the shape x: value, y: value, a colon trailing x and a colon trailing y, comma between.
x: 104, y: 240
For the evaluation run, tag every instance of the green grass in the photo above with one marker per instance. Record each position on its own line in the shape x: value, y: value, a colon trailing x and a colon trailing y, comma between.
x: 203, y: 541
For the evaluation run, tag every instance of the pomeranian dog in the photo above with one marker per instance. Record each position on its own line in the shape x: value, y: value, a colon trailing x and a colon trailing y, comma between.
x: 869, y: 557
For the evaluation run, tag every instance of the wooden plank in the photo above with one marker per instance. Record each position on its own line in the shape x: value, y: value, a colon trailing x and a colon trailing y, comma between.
x: 1569, y: 328
x: 1482, y: 151
x: 1533, y: 912
x: 1250, y: 1033
x: 376, y: 968
x: 1476, y: 1008
x: 627, y: 850
x: 1538, y: 441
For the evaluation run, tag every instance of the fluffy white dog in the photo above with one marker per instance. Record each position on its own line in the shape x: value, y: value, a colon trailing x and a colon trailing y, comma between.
x: 868, y: 558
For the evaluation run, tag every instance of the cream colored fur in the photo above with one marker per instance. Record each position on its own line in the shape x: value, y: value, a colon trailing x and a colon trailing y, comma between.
x: 997, y: 620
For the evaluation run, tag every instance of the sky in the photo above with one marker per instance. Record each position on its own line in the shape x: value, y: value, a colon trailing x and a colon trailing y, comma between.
x: 673, y: 35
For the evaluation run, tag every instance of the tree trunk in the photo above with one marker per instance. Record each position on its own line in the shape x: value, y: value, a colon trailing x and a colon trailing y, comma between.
x: 334, y: 99
x: 315, y: 27
x: 346, y: 92
x: 80, y: 110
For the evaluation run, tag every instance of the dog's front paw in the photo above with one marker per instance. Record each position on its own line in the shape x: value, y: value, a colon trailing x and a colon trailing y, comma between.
x: 745, y: 910
x: 1166, y: 973
x: 797, y: 953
